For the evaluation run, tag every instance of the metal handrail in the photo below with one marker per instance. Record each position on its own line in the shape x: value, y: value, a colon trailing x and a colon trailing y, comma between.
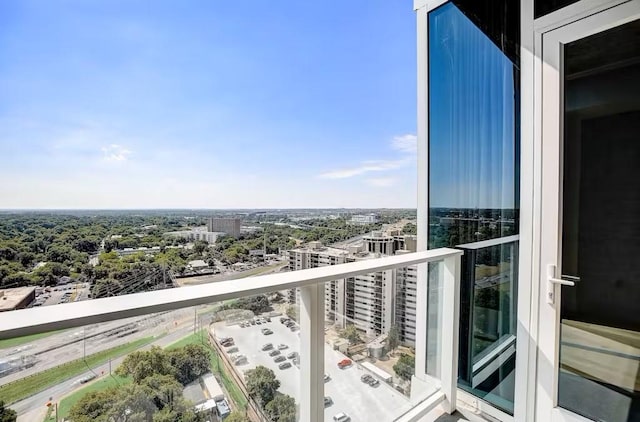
x: 43, y: 319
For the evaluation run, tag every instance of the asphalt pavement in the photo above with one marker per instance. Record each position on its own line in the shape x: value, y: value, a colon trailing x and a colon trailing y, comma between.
x: 348, y: 393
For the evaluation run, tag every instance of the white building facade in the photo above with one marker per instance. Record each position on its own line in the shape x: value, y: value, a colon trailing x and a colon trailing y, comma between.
x: 372, y: 302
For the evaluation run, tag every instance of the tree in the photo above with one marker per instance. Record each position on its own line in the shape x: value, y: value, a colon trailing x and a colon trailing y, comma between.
x: 200, y: 246
x: 86, y: 245
x: 163, y: 390
x: 131, y: 403
x: 256, y: 304
x: 142, y: 364
x: 351, y: 333
x: 281, y: 409
x: 6, y: 414
x: 93, y: 406
x: 262, y: 384
x: 236, y: 416
x: 293, y: 312
x: 190, y: 362
x: 410, y: 228
x: 393, y: 338
x: 404, y: 368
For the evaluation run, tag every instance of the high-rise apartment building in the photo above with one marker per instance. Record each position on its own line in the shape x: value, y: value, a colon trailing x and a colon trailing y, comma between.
x: 230, y: 226
x: 372, y: 302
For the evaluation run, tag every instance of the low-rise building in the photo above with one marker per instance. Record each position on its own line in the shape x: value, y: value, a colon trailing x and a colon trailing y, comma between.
x: 132, y: 251
x: 196, y: 234
x: 365, y: 218
x: 197, y: 265
x: 16, y: 298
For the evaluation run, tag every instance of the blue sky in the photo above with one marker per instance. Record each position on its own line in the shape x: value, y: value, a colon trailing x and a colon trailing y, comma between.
x: 207, y: 104
x: 472, y: 126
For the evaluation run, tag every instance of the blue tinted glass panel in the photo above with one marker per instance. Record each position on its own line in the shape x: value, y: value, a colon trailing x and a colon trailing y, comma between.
x: 473, y: 191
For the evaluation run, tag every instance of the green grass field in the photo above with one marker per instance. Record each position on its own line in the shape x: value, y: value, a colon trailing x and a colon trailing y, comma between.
x: 229, y: 384
x: 33, y: 384
x: 195, y: 338
x: 102, y: 384
x: 13, y: 342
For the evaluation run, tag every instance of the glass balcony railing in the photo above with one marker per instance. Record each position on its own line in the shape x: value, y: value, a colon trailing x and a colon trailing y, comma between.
x: 203, y: 352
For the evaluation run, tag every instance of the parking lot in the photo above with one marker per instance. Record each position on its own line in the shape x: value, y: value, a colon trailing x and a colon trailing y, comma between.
x: 350, y: 395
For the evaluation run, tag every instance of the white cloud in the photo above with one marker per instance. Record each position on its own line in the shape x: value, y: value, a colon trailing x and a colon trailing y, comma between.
x: 115, y: 152
x: 382, y: 182
x: 405, y: 143
x: 365, y: 167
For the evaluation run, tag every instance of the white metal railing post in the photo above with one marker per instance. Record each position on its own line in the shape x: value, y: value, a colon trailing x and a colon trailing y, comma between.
x: 422, y: 322
x: 450, y: 323
x: 312, y: 352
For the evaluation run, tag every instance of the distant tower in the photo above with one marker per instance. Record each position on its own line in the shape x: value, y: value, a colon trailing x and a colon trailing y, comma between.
x: 230, y: 226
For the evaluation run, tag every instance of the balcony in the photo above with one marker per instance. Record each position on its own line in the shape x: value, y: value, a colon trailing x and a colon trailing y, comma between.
x: 171, y: 313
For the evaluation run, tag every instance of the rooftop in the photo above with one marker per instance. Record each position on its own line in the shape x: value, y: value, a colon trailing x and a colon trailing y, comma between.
x: 13, y: 298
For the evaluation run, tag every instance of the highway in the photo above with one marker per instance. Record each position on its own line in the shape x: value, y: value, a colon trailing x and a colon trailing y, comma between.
x: 68, y: 345
x: 73, y: 344
x: 33, y: 408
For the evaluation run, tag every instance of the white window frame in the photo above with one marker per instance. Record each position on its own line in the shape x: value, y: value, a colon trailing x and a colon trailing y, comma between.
x: 524, y: 394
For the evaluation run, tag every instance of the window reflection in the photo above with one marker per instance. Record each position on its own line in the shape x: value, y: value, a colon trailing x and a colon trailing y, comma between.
x: 473, y: 192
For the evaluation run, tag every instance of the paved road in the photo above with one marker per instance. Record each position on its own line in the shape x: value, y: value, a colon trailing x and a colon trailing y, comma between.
x: 34, y: 405
x: 254, y: 272
x: 69, y: 345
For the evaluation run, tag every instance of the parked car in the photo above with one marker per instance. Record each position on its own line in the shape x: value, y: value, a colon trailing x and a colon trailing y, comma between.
x: 274, y: 352
x: 267, y: 346
x: 326, y: 377
x: 344, y: 363
x: 266, y: 331
x: 373, y: 382
x: 284, y: 365
x: 341, y: 417
x: 366, y: 378
x: 227, y: 341
x: 232, y: 350
x: 282, y: 346
x: 279, y: 359
x: 292, y: 355
x: 240, y: 360
x: 328, y: 401
x: 283, y: 320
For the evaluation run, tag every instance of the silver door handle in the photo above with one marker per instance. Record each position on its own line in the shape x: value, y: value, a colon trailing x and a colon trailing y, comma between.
x: 561, y: 281
x: 552, y: 281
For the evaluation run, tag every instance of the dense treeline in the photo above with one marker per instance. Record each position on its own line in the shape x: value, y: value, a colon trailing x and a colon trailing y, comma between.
x: 39, y: 248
